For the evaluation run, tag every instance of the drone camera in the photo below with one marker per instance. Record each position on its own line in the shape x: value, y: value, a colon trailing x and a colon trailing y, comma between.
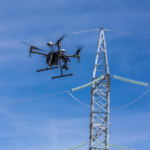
x: 65, y: 67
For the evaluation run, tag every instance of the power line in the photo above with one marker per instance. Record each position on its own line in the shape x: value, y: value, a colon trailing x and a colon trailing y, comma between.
x: 78, y: 146
x: 75, y: 33
x: 131, y: 102
x: 79, y: 88
x: 78, y: 100
x: 127, y: 33
x: 32, y: 98
x: 44, y: 96
x: 117, y: 107
x: 51, y: 36
x: 59, y: 93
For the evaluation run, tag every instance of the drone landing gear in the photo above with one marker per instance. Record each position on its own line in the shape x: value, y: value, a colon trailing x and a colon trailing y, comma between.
x: 62, y: 76
x: 62, y: 73
x: 46, y: 69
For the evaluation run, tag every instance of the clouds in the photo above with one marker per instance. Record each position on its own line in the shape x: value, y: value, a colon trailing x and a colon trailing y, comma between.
x: 27, y: 131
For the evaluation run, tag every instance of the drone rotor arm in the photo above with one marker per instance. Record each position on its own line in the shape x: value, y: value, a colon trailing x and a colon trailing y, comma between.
x: 71, y: 56
x: 32, y: 51
x: 33, y: 47
x: 75, y: 56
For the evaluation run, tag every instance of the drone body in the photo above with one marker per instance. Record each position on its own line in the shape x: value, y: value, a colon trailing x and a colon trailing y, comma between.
x: 54, y: 58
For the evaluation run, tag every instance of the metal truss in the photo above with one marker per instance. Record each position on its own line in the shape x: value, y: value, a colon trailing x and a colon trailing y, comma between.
x: 99, y: 116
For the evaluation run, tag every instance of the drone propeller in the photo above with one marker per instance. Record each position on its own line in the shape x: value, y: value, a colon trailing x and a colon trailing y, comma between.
x: 78, y: 53
x: 32, y: 47
x: 61, y: 38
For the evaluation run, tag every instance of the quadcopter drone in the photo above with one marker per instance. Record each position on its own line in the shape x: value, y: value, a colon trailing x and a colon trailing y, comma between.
x: 54, y: 58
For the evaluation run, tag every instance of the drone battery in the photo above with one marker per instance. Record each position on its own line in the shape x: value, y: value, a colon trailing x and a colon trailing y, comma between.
x: 54, y: 59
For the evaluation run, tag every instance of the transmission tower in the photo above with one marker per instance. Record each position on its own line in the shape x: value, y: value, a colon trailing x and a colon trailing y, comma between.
x: 99, y: 116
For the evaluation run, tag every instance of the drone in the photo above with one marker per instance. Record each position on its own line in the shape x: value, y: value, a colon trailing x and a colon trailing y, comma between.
x: 54, y: 58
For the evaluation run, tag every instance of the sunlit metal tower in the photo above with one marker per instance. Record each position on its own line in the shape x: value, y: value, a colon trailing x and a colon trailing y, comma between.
x: 99, y: 116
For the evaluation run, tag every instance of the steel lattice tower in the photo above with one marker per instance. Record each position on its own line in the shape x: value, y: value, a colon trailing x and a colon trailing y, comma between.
x: 99, y: 116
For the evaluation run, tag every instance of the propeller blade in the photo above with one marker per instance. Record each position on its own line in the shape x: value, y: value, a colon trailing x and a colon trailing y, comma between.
x: 78, y: 50
x: 25, y: 43
x: 38, y: 49
x: 32, y: 46
x: 61, y: 38
x: 30, y: 51
x: 77, y: 53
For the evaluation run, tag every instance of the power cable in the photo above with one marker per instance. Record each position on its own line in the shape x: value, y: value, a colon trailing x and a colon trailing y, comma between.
x: 127, y: 33
x: 78, y: 146
x: 81, y: 87
x: 42, y: 97
x: 131, y: 102
x: 33, y: 98
x: 113, y: 108
x: 78, y: 100
x: 52, y: 36
x: 74, y: 89
x: 76, y: 33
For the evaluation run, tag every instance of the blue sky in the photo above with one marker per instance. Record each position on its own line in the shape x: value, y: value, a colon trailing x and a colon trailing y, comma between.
x: 59, y: 122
